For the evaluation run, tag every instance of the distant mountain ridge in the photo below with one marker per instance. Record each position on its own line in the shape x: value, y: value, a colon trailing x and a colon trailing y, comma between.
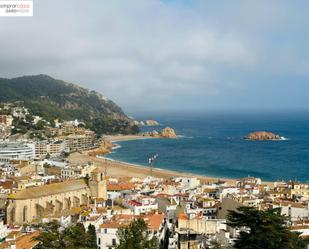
x: 51, y: 98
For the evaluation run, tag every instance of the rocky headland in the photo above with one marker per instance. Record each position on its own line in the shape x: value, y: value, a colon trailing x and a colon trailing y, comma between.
x: 106, y: 147
x: 109, y: 143
x: 262, y: 135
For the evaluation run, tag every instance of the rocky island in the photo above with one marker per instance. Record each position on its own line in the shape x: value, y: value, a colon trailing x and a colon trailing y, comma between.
x: 263, y: 135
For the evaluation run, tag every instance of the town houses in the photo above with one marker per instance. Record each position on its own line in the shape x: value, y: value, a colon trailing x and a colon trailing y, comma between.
x: 87, y: 194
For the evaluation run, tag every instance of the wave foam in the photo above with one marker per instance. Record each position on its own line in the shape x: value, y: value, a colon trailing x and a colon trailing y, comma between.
x: 117, y: 146
x: 183, y: 136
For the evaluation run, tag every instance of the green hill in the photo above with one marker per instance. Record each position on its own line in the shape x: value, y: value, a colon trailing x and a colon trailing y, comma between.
x: 51, y: 98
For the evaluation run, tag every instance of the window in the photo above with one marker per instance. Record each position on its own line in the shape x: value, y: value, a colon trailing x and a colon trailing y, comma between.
x: 105, y: 230
x: 114, y: 242
x: 99, y: 241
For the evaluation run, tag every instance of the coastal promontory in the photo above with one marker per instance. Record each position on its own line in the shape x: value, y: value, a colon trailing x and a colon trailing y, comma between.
x: 262, y: 135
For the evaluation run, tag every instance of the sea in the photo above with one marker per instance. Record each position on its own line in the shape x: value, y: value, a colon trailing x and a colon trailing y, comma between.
x: 213, y: 144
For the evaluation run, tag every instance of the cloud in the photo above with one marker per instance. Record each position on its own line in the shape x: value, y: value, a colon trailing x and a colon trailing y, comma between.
x: 155, y: 54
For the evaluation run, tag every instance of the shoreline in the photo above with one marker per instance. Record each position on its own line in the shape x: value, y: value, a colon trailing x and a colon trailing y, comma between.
x: 120, y: 138
x: 116, y: 168
x: 167, y: 172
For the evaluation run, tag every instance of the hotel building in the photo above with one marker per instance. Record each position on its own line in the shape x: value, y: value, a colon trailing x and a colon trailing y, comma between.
x: 16, y: 151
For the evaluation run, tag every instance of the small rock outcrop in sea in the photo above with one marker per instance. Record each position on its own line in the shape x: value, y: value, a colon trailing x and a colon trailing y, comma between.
x: 168, y: 133
x: 262, y: 135
x: 152, y: 122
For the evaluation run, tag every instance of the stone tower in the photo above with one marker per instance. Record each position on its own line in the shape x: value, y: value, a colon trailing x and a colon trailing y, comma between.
x: 97, y: 183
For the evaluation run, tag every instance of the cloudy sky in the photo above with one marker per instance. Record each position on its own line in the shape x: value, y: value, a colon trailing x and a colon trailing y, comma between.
x: 169, y: 54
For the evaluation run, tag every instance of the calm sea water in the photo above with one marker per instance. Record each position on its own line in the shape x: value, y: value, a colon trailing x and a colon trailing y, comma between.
x: 212, y: 144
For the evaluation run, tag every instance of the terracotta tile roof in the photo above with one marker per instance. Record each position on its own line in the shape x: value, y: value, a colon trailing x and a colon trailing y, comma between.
x: 99, y: 200
x: 134, y: 203
x: 94, y: 217
x: 182, y: 216
x: 27, y: 241
x: 6, y: 184
x: 23, y: 241
x: 120, y: 186
x: 153, y: 221
x: 118, y: 221
x: 114, y: 225
x: 49, y: 189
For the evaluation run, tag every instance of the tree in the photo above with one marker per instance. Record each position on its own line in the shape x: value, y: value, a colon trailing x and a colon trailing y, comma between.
x: 75, y: 236
x: 40, y: 125
x: 72, y: 237
x: 135, y: 236
x: 91, y: 237
x: 263, y: 230
x: 50, y: 237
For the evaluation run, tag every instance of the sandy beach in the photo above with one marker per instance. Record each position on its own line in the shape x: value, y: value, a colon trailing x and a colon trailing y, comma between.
x: 119, y: 138
x: 122, y: 169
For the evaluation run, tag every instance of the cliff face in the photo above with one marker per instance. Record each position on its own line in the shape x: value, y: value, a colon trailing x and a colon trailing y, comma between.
x: 262, y: 135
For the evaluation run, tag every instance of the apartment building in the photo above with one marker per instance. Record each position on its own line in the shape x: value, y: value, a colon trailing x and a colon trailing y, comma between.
x: 53, y: 148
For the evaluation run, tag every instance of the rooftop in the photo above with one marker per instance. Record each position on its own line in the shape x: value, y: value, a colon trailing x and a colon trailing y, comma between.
x: 153, y: 221
x: 49, y: 189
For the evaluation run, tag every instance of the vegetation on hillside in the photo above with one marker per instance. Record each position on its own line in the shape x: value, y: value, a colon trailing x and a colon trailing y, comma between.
x: 51, y: 99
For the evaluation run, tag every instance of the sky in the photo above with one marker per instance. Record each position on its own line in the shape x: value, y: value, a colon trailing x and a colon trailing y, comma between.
x: 168, y: 55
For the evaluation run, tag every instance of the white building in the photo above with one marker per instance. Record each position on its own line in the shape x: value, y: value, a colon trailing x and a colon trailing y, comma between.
x: 16, y: 151
x: 293, y: 210
x: 107, y: 234
x: 142, y: 205
x: 188, y: 182
x: 3, y: 231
